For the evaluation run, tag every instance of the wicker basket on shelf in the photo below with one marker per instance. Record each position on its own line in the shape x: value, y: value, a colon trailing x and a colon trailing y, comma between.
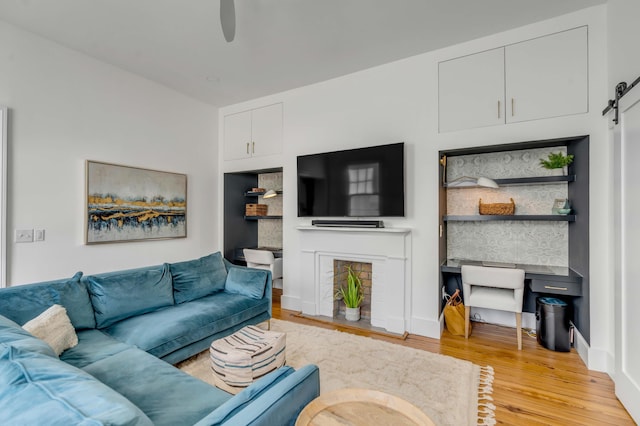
x: 255, y: 209
x: 499, y: 209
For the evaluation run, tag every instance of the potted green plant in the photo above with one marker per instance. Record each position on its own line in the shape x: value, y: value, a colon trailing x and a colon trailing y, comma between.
x: 557, y: 160
x: 352, y: 295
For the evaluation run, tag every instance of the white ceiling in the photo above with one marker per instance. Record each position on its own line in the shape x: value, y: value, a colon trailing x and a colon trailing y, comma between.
x: 279, y: 44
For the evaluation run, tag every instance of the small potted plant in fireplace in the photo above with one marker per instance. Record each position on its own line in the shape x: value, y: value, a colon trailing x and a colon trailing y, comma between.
x: 352, y: 295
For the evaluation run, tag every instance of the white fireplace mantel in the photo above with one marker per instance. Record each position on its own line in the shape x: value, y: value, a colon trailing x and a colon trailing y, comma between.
x: 387, y: 249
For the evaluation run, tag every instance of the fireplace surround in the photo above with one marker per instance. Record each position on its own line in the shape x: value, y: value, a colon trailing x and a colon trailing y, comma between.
x: 388, y: 250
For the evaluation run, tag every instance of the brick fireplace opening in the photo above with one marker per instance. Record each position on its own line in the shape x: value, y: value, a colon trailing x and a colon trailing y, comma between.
x: 340, y: 273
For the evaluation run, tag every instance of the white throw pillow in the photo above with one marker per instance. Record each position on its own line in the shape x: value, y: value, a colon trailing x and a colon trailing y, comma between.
x: 54, y: 327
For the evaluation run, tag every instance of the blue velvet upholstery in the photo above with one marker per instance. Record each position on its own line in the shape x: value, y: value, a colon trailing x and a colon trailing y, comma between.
x: 197, y: 278
x: 36, y: 388
x: 25, y: 302
x: 203, y: 344
x: 167, y: 395
x: 247, y: 282
x: 93, y: 345
x: 74, y: 296
x: 162, y: 332
x: 248, y: 394
x: 12, y: 334
x: 123, y: 294
x: 136, y: 318
x: 279, y: 404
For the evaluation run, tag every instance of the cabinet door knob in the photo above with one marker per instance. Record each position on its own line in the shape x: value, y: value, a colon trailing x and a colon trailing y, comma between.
x: 247, y: 147
x: 513, y: 110
x: 253, y: 147
x: 498, y: 109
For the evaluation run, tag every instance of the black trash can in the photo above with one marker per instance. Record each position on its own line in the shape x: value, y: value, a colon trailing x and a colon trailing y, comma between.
x: 552, y: 324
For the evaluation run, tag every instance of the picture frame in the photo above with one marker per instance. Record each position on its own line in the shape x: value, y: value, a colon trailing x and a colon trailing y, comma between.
x: 126, y: 203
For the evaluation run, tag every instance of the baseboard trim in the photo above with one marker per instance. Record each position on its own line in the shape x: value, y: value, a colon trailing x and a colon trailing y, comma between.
x: 291, y: 303
x: 426, y: 327
x: 594, y: 359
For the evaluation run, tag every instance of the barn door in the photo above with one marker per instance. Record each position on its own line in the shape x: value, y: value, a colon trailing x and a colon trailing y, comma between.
x: 627, y: 297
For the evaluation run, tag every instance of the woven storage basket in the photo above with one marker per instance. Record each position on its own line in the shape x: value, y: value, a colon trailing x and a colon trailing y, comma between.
x: 255, y: 209
x: 500, y: 209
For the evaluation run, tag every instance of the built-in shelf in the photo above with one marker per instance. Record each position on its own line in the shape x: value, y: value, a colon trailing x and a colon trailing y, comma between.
x: 537, y: 180
x: 261, y: 217
x: 518, y: 217
x: 257, y: 194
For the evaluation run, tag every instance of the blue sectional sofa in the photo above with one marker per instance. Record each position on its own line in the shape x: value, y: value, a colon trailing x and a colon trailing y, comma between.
x: 131, y: 326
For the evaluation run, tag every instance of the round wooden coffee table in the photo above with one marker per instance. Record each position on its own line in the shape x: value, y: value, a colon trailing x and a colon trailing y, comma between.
x: 361, y: 407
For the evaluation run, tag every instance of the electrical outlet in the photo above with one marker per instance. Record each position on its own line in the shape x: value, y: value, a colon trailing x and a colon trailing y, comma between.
x: 24, y: 236
x: 38, y: 235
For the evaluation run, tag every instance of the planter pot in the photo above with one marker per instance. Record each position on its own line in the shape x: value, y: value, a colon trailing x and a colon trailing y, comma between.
x: 560, y: 171
x: 352, y: 314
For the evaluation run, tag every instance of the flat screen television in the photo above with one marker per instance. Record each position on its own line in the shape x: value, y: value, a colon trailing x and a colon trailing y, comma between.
x: 363, y: 182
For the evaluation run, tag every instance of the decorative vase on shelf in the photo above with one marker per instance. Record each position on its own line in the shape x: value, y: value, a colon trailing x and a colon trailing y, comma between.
x: 352, y: 314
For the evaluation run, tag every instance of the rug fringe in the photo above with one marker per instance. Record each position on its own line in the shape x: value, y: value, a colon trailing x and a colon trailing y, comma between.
x: 486, y: 409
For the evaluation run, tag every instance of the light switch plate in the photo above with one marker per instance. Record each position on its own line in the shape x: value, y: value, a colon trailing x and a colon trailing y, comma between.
x: 38, y: 235
x: 24, y: 236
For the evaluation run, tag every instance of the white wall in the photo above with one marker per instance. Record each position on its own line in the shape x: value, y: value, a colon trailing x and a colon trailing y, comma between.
x: 65, y: 108
x: 623, y: 35
x: 398, y: 102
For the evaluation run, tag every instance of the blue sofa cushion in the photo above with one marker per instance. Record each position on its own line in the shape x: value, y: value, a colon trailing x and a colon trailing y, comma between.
x: 244, y: 397
x: 197, y: 278
x: 35, y: 387
x: 74, y: 296
x: 93, y: 345
x: 14, y: 335
x: 119, y: 295
x: 165, y: 331
x: 25, y: 302
x: 167, y: 395
x: 247, y: 282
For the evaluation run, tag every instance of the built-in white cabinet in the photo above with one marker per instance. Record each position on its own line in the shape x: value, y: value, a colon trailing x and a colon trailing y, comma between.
x: 540, y: 78
x: 252, y: 133
x: 471, y: 91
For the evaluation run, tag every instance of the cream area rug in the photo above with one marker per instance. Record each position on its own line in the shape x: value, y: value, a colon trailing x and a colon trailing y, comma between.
x: 450, y: 391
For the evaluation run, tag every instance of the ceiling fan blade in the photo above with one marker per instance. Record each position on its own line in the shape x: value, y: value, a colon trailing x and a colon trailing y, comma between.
x: 228, y: 19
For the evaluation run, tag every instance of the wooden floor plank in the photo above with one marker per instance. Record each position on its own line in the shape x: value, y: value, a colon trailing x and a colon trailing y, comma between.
x: 534, y: 386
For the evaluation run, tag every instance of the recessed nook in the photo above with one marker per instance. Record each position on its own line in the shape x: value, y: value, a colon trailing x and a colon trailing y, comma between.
x: 340, y: 274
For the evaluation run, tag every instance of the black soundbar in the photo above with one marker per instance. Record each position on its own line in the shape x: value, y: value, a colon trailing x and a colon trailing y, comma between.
x: 349, y: 223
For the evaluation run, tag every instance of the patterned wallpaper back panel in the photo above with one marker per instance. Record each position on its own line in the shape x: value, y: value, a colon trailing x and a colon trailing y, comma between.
x: 539, y: 243
x: 270, y: 231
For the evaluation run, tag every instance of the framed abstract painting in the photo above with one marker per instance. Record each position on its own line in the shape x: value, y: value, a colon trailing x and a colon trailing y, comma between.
x: 126, y: 203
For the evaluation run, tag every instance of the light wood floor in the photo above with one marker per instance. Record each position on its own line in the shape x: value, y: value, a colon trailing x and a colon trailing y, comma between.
x: 534, y: 386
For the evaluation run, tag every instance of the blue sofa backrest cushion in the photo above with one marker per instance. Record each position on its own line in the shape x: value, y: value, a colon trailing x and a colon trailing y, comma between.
x: 36, y: 388
x: 197, y: 278
x: 25, y: 302
x: 122, y: 294
x: 246, y: 281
